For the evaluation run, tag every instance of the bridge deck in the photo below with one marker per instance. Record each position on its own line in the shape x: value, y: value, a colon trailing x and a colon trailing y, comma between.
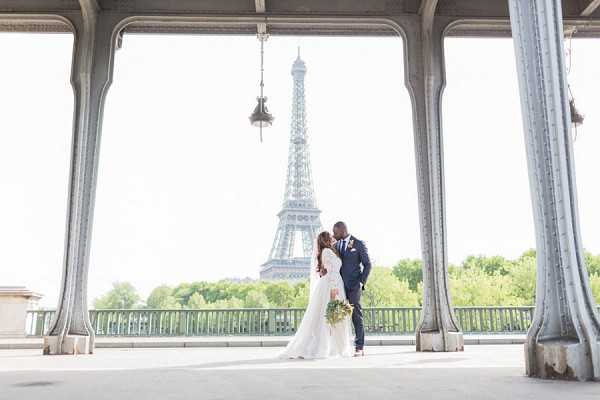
x: 390, y: 372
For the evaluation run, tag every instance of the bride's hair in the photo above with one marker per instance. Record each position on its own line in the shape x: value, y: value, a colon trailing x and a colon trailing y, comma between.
x: 323, y: 242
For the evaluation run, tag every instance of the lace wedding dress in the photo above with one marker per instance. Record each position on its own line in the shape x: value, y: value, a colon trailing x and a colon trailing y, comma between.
x: 315, y: 338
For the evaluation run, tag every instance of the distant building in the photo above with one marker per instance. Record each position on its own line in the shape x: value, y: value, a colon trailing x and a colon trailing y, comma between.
x: 299, y: 221
x: 14, y: 303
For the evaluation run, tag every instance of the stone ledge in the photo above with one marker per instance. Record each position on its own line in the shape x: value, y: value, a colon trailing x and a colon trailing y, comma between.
x: 240, y: 341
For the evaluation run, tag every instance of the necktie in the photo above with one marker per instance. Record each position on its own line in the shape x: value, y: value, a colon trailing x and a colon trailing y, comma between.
x: 343, y: 246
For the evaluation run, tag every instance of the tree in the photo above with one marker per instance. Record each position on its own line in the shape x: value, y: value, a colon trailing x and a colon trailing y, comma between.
x: 477, y: 281
x: 280, y: 294
x: 593, y: 263
x: 410, y: 270
x: 529, y: 253
x: 122, y: 296
x: 161, y: 298
x: 301, y: 291
x: 183, y: 292
x: 226, y: 304
x: 475, y: 287
x: 489, y: 265
x: 170, y: 303
x: 196, y: 302
x: 385, y: 290
x: 522, y: 273
x: 256, y: 299
x: 595, y: 284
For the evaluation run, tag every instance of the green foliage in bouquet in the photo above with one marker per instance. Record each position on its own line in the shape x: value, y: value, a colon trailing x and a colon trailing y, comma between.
x: 337, y: 311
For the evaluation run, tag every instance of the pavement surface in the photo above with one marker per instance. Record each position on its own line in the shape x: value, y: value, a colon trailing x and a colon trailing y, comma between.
x: 386, y: 372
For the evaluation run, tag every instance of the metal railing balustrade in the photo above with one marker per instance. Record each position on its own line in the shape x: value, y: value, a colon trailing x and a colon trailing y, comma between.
x: 277, y: 321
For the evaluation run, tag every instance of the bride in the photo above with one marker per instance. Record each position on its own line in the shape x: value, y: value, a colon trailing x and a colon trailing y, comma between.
x: 315, y: 338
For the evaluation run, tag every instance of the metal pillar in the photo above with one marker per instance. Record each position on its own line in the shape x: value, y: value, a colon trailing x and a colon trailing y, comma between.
x: 438, y: 329
x: 563, y: 339
x: 71, y: 331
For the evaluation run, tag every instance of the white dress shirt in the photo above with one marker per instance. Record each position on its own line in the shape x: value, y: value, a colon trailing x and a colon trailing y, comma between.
x: 344, y: 243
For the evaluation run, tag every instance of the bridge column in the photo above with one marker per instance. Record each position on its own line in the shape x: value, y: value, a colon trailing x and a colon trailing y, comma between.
x: 563, y: 339
x: 438, y: 329
x: 70, y: 330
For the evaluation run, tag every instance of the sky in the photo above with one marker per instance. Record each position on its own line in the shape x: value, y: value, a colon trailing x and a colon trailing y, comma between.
x: 187, y: 192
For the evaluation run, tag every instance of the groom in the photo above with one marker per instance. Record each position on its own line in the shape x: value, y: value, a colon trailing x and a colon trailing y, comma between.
x: 353, y: 253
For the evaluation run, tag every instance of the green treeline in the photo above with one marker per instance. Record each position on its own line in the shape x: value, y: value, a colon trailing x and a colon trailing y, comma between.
x: 477, y: 281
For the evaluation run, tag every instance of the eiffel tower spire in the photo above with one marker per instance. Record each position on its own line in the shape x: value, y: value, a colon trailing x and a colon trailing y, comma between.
x: 299, y: 221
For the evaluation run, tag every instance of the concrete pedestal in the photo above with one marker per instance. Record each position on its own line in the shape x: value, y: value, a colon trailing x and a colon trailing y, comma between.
x: 434, y: 341
x: 559, y: 360
x: 14, y: 303
x: 73, y: 344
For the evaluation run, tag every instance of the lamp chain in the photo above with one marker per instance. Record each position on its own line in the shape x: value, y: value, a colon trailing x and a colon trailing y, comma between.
x: 262, y: 62
x: 262, y: 37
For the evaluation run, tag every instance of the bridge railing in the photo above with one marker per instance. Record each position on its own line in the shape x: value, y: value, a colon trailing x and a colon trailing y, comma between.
x: 273, y: 322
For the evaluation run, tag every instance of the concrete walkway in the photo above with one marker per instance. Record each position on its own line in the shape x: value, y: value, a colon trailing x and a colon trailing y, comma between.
x: 386, y: 372
x: 245, y: 341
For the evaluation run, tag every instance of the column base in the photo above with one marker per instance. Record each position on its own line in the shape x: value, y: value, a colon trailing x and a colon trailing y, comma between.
x: 567, y: 360
x: 72, y: 344
x: 433, y: 341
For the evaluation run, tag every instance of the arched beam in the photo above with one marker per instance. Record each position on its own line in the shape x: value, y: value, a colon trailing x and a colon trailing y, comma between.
x: 590, y: 8
x: 427, y: 8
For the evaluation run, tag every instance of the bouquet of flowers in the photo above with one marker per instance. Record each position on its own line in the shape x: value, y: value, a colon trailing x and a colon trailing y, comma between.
x: 337, y: 311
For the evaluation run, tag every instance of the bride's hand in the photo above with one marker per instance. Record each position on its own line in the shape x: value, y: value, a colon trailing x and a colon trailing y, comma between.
x: 321, y: 271
x: 334, y: 293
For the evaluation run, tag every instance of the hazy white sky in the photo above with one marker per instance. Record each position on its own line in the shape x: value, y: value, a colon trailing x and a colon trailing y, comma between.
x: 186, y: 191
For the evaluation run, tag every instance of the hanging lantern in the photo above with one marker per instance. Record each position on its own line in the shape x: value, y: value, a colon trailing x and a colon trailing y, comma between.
x: 576, y: 117
x: 261, y: 117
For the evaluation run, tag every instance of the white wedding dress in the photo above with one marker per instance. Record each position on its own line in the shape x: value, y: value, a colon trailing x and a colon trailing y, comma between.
x: 315, y: 338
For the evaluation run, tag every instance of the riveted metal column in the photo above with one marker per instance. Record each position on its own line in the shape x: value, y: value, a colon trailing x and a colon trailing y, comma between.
x: 438, y: 329
x: 563, y: 339
x: 71, y: 331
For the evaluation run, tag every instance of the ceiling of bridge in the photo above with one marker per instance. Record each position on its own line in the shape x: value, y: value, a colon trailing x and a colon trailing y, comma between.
x: 466, y: 8
x: 489, y: 16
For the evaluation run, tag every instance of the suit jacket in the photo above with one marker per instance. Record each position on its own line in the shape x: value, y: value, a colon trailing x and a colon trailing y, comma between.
x: 352, y: 258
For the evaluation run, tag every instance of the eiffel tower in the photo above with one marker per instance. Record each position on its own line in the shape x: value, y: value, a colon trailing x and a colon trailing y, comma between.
x: 299, y: 221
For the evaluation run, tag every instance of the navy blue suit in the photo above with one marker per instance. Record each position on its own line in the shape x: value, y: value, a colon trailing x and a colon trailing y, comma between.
x: 355, y: 279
